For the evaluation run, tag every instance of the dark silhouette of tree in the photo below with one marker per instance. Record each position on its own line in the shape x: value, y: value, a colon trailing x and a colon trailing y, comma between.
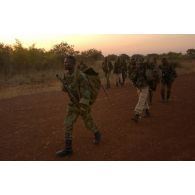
x: 63, y: 49
x: 191, y: 53
x: 124, y: 57
x: 112, y: 57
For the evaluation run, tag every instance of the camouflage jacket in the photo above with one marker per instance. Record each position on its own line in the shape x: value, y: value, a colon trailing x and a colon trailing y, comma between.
x: 168, y: 73
x: 79, y: 87
x: 107, y: 67
x: 117, y: 68
x: 138, y: 76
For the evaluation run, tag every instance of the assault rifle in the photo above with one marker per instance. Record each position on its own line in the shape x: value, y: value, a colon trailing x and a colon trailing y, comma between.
x: 67, y: 89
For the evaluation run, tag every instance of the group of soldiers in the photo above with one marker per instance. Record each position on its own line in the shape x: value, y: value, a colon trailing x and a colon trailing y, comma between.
x: 144, y: 74
x: 119, y: 69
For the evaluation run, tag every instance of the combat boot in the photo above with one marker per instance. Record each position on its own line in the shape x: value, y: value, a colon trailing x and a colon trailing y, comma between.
x: 67, y: 151
x: 135, y: 118
x: 163, y: 95
x: 97, y: 137
x: 168, y: 94
x: 147, y: 113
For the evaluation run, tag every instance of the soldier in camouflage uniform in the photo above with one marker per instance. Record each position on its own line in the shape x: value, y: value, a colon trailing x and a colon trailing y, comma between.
x: 138, y: 78
x: 80, y: 89
x: 124, y: 71
x: 168, y: 76
x: 107, y: 69
x: 153, y: 77
x: 118, y: 72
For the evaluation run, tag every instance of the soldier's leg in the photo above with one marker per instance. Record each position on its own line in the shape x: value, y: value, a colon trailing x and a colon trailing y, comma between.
x: 117, y: 79
x: 121, y: 79
x: 146, y: 107
x: 163, y: 91
x: 169, y: 86
x: 108, y: 79
x: 72, y: 115
x: 150, y: 95
x: 90, y: 124
x: 141, y: 105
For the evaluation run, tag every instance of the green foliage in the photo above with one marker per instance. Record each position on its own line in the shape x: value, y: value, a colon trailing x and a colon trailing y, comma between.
x: 5, y: 58
x: 191, y: 53
x: 124, y: 57
x: 17, y: 59
x: 112, y: 57
x: 137, y: 57
x: 91, y: 55
x: 63, y: 49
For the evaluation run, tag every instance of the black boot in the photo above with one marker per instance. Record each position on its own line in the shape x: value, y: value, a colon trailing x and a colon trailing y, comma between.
x: 135, y: 118
x: 150, y: 97
x: 147, y: 113
x: 163, y: 95
x: 97, y: 137
x: 168, y: 94
x: 67, y: 151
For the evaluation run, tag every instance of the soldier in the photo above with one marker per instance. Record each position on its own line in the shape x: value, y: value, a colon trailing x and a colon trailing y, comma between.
x: 107, y: 68
x: 168, y: 76
x: 118, y: 72
x: 124, y: 71
x: 153, y: 77
x: 138, y: 78
x: 80, y: 105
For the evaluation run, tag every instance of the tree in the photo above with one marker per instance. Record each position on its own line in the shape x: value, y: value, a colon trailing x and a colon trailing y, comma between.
x: 63, y: 49
x: 153, y: 55
x: 92, y: 54
x: 124, y: 57
x: 112, y: 57
x: 137, y: 57
x: 191, y: 53
x: 5, y: 58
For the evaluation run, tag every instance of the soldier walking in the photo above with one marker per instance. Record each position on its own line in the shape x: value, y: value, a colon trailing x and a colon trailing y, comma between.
x: 138, y: 78
x: 124, y: 71
x: 153, y: 77
x: 80, y: 104
x: 118, y: 72
x: 107, y: 68
x: 168, y: 76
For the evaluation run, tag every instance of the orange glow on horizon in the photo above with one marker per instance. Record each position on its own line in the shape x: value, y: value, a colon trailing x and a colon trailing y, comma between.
x: 117, y: 44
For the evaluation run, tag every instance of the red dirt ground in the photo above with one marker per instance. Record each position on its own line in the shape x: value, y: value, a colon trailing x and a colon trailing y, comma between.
x: 31, y: 126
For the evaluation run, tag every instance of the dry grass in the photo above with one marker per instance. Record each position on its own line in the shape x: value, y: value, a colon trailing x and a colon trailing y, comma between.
x: 37, y: 82
x: 186, y: 67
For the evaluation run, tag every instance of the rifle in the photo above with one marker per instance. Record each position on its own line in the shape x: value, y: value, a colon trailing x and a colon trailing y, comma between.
x: 67, y: 89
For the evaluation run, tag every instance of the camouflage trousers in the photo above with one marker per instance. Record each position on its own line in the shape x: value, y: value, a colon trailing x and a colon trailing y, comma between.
x: 166, y: 90
x: 107, y: 75
x: 119, y: 79
x: 72, y: 114
x: 142, y: 100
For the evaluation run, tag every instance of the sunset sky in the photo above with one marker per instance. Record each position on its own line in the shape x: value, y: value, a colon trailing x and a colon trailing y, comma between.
x: 113, y: 43
x: 88, y: 25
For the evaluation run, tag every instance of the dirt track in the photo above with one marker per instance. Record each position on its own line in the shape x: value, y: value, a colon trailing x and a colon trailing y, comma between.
x: 31, y: 126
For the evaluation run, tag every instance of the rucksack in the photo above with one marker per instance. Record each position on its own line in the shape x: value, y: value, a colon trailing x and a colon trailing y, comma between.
x: 94, y: 83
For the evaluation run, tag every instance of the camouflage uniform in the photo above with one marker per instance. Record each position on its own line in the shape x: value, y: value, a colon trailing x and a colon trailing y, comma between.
x: 153, y: 77
x: 124, y: 71
x: 168, y: 75
x: 138, y: 78
x: 77, y: 85
x: 107, y: 69
x: 118, y: 72
x: 80, y: 89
